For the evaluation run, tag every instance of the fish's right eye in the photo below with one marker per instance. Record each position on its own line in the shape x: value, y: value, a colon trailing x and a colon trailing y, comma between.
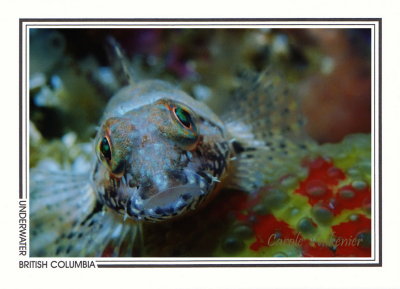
x: 105, y: 149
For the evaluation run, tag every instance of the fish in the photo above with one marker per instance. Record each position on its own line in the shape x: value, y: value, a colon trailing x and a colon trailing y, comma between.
x: 161, y: 155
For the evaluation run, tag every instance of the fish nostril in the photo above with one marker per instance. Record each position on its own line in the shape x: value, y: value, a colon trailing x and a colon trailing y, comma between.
x: 145, y: 139
x: 131, y: 183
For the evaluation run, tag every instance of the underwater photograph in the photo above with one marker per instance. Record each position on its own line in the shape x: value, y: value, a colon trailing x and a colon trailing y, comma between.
x: 200, y: 142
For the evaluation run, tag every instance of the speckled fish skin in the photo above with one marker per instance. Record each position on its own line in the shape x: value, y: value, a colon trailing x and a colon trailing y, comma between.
x: 161, y: 155
x: 158, y: 168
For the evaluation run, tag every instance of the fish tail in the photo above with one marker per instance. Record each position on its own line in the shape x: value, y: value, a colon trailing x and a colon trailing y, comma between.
x: 267, y: 130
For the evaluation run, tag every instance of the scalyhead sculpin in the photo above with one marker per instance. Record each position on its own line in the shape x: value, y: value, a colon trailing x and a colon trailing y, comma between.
x: 159, y: 155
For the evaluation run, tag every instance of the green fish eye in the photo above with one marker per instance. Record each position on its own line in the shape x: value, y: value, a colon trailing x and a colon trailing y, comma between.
x: 184, y: 117
x: 105, y: 149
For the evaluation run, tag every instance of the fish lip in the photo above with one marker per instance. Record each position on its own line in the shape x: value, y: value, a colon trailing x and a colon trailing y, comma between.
x: 183, y: 198
x: 170, y: 202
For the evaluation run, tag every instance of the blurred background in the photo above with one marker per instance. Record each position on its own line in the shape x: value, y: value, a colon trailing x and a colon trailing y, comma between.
x: 72, y: 72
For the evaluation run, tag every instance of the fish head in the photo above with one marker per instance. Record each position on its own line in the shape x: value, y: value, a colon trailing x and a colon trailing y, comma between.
x: 158, y: 161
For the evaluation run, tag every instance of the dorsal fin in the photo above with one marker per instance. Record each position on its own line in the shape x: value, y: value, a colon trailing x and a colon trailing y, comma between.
x: 120, y: 61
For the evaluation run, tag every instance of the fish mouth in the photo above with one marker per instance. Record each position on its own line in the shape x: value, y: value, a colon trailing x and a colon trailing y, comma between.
x: 169, y: 194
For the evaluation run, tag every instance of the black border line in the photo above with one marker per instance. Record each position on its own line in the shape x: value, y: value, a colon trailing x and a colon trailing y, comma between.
x: 380, y: 140
x: 25, y: 124
x: 373, y: 123
x: 192, y: 25
x: 20, y: 110
x: 227, y: 265
x: 220, y: 20
x: 197, y: 19
x: 228, y: 259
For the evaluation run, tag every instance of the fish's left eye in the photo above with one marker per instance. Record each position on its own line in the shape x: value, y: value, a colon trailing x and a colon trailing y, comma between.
x: 105, y: 149
x: 181, y: 126
x: 183, y: 117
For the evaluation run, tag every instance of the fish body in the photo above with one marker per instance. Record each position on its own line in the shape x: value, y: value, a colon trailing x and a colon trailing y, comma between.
x: 159, y: 155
